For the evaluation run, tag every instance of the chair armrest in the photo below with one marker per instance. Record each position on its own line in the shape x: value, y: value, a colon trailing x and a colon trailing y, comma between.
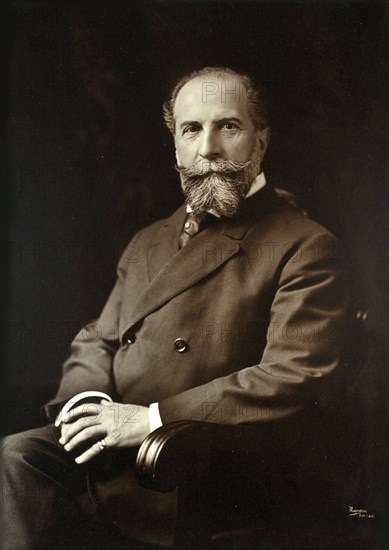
x: 164, y: 454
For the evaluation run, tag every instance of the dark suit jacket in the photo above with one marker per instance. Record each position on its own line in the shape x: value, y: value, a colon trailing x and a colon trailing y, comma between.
x: 257, y: 302
x: 242, y: 325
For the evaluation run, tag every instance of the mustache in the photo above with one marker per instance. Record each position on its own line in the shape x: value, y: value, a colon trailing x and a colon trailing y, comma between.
x: 209, y: 167
x: 215, y: 184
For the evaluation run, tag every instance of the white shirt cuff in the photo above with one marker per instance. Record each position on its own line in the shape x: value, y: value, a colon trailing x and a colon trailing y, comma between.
x: 154, y: 417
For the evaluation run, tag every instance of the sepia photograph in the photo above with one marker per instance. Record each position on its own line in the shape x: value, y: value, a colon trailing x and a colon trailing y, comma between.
x: 195, y: 275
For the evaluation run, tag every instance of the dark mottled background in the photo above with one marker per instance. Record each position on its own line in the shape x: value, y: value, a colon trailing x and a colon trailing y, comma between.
x: 89, y: 161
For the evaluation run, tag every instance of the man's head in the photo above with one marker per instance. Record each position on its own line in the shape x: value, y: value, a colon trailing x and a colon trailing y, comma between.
x: 218, y: 121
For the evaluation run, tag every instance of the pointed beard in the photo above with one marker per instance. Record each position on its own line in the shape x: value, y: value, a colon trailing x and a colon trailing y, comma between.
x: 216, y: 185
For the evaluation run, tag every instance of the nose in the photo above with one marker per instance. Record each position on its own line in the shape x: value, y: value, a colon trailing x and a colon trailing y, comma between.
x: 210, y: 145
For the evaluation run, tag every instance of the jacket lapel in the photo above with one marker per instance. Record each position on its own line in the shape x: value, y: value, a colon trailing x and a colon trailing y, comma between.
x: 202, y: 255
x: 172, y: 270
x: 166, y: 243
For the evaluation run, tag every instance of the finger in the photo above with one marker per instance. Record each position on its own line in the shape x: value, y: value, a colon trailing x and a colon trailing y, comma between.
x: 94, y: 450
x: 88, y: 454
x: 84, y: 410
x: 95, y: 432
x: 68, y: 431
x: 71, y: 430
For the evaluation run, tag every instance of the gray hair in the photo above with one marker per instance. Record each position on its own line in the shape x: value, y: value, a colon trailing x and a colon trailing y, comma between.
x: 255, y: 95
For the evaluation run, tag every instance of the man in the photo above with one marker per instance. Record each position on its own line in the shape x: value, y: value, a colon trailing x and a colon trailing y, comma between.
x: 230, y: 311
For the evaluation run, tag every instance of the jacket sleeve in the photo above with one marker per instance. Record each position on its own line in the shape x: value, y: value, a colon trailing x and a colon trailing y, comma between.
x: 302, y: 361
x: 89, y: 366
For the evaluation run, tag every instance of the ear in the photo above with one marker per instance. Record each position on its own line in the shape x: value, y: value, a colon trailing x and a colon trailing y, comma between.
x: 263, y: 138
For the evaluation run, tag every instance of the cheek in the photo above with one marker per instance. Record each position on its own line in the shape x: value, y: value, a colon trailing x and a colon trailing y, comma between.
x: 239, y: 148
x: 185, y: 154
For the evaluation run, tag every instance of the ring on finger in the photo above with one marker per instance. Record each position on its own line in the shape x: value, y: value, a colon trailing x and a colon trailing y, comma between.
x: 102, y: 445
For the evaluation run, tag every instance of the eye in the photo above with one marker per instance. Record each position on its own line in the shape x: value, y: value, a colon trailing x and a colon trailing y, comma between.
x: 229, y: 126
x: 191, y: 129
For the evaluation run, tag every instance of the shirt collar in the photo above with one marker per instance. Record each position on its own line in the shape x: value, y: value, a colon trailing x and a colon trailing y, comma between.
x: 258, y: 183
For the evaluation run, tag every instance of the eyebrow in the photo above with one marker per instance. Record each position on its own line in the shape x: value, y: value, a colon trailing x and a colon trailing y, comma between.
x: 218, y: 121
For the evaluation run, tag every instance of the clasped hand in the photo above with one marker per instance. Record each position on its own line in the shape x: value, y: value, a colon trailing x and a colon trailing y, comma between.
x: 120, y: 424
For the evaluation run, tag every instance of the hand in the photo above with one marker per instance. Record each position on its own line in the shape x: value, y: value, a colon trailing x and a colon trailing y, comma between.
x: 120, y: 424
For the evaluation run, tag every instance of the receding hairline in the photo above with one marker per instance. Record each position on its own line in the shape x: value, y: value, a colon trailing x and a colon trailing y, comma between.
x: 207, y: 78
x: 220, y: 75
x: 255, y: 93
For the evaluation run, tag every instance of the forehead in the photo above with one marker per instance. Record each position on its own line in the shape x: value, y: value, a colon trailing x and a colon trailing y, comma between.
x: 210, y: 98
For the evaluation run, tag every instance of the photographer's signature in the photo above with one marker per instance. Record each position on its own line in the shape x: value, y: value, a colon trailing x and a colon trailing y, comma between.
x: 359, y: 512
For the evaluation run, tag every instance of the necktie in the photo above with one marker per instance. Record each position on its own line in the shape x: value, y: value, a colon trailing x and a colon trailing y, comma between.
x: 193, y: 225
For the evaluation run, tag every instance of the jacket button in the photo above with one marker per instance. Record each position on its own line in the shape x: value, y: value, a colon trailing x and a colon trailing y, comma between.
x: 130, y: 339
x: 180, y: 345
